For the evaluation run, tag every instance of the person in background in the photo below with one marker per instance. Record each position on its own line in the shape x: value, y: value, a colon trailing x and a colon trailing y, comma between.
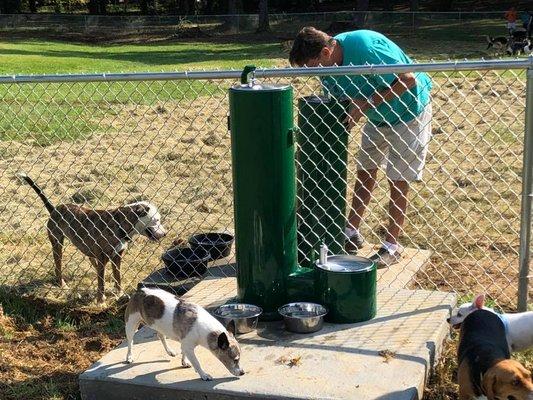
x: 511, y: 16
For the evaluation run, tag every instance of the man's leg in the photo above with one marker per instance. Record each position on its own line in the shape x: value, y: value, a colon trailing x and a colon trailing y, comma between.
x: 407, y: 158
x: 365, y: 184
x: 390, y: 251
x: 397, y: 209
x: 370, y: 157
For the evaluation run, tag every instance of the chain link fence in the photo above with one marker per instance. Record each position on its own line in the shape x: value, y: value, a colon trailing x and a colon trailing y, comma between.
x: 281, y: 24
x: 103, y: 141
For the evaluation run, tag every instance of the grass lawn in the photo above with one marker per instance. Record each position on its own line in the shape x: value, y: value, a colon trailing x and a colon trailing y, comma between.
x: 435, y: 39
x: 40, y: 57
x: 89, y: 101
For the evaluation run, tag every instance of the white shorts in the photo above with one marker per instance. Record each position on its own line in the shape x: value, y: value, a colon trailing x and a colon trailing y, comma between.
x: 403, y: 147
x: 511, y: 25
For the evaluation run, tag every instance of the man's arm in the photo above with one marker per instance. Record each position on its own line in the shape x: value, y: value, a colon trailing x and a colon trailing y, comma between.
x: 400, y: 85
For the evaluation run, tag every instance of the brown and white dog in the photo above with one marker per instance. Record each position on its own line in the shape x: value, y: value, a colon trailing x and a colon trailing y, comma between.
x: 485, y: 367
x: 102, y: 235
x: 185, y: 322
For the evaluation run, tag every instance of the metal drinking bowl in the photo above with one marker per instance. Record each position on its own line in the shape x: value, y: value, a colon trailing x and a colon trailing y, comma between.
x: 303, y: 317
x: 244, y: 315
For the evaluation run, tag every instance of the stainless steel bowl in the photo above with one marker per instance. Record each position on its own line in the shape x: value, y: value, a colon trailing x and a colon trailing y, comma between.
x: 303, y: 317
x: 244, y: 315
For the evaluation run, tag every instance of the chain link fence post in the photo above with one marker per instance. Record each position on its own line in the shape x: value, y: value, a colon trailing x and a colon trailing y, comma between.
x: 527, y: 195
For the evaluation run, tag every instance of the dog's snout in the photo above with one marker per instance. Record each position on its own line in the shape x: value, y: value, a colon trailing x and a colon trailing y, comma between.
x: 237, y: 371
x: 155, y: 233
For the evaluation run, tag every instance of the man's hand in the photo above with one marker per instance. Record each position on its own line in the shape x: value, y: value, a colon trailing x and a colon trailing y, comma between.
x: 400, y: 85
x: 357, y: 111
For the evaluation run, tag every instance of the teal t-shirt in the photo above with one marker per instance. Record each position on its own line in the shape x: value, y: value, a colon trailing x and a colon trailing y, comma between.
x: 365, y: 47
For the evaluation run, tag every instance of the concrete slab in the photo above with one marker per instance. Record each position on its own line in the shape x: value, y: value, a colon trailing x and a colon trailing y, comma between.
x: 400, y: 275
x: 388, y: 357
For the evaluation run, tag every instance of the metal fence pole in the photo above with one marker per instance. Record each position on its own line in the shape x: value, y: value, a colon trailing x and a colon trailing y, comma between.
x: 527, y: 197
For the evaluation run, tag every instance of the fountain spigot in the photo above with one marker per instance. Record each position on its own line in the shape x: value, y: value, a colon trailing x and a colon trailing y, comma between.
x: 323, y: 254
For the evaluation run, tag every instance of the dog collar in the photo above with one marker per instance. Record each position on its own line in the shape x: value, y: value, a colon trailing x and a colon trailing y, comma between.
x: 125, y: 235
x: 505, y: 321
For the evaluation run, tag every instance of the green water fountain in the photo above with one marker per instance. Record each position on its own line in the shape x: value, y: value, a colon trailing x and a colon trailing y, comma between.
x: 264, y: 144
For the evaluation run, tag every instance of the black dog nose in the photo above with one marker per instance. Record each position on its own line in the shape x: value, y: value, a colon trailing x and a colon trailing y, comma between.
x: 448, y: 320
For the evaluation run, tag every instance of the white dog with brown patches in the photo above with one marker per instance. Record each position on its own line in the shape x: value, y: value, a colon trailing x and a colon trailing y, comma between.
x: 185, y: 322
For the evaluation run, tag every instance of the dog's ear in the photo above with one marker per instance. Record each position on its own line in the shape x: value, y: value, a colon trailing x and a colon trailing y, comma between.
x: 489, y: 383
x: 231, y: 328
x: 141, y: 210
x: 223, y: 341
x: 479, y: 301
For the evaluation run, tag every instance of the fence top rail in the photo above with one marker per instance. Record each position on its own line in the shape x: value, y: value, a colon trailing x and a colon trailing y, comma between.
x: 483, y: 65
x: 275, y: 15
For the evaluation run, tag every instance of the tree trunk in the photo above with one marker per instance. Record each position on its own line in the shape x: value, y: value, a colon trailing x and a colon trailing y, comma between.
x: 102, y: 7
x: 414, y: 8
x: 360, y: 17
x: 186, y: 7
x: 232, y: 22
x: 33, y: 6
x: 97, y: 7
x: 144, y: 6
x: 264, y: 25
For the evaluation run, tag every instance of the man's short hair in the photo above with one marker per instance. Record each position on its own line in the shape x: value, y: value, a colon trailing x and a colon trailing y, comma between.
x: 307, y: 45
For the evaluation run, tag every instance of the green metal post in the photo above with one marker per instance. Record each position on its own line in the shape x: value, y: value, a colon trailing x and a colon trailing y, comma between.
x: 322, y: 158
x: 264, y: 189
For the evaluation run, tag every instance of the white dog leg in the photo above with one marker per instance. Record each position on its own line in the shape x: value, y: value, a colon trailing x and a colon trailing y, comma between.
x: 169, y: 351
x: 189, y: 353
x: 132, y: 324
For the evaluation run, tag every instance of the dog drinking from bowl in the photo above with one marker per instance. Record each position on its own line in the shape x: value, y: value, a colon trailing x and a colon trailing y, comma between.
x: 185, y: 322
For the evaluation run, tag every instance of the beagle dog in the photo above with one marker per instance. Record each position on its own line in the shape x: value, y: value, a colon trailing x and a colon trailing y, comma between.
x: 485, y: 367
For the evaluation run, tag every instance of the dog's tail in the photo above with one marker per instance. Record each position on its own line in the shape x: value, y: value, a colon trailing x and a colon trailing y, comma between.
x: 23, y: 177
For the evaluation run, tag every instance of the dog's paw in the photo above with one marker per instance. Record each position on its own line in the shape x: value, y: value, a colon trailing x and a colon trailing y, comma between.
x: 172, y: 353
x: 185, y: 363
x: 206, y: 377
x: 62, y: 284
x: 129, y: 360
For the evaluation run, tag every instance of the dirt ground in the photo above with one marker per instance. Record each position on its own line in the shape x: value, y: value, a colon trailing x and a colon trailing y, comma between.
x: 175, y: 152
x: 43, y: 348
